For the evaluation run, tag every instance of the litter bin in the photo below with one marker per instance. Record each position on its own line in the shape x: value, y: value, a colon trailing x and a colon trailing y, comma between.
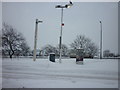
x: 79, y: 56
x: 52, y: 57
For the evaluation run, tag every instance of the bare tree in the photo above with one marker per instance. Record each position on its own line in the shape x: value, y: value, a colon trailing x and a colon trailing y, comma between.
x: 13, y: 43
x: 82, y: 42
x: 64, y: 49
x: 49, y: 49
x: 92, y: 50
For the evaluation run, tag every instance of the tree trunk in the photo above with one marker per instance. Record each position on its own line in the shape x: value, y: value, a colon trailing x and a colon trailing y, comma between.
x: 10, y: 56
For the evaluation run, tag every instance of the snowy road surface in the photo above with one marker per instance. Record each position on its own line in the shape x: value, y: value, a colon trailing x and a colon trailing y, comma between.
x: 24, y: 72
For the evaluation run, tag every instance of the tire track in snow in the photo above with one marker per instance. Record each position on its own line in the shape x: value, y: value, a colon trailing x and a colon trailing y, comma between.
x: 37, y: 75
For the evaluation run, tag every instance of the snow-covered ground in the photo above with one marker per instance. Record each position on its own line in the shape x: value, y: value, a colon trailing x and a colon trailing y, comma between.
x: 24, y: 72
x: 0, y: 72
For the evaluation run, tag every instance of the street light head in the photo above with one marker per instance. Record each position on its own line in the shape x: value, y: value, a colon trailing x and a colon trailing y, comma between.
x: 40, y: 21
x: 37, y: 21
x: 66, y: 6
x: 69, y: 5
x: 58, y: 6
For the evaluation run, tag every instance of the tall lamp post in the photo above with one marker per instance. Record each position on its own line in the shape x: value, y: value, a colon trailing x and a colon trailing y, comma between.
x: 100, y: 40
x: 35, y: 39
x: 62, y: 24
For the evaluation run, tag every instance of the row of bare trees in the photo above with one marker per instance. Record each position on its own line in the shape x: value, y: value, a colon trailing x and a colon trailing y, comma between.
x: 90, y: 49
x: 14, y: 44
x: 52, y: 49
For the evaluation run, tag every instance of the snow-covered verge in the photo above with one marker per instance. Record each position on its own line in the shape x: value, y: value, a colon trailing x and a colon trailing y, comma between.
x: 94, y: 73
x: 0, y: 72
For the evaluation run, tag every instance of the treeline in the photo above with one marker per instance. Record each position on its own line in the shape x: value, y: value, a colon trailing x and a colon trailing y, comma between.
x: 14, y: 44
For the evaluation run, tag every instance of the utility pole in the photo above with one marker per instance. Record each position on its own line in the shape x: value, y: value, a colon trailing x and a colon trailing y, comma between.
x: 62, y: 24
x: 35, y: 39
x: 100, y: 40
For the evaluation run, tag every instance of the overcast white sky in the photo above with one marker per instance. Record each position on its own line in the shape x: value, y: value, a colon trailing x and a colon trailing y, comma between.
x: 83, y: 18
